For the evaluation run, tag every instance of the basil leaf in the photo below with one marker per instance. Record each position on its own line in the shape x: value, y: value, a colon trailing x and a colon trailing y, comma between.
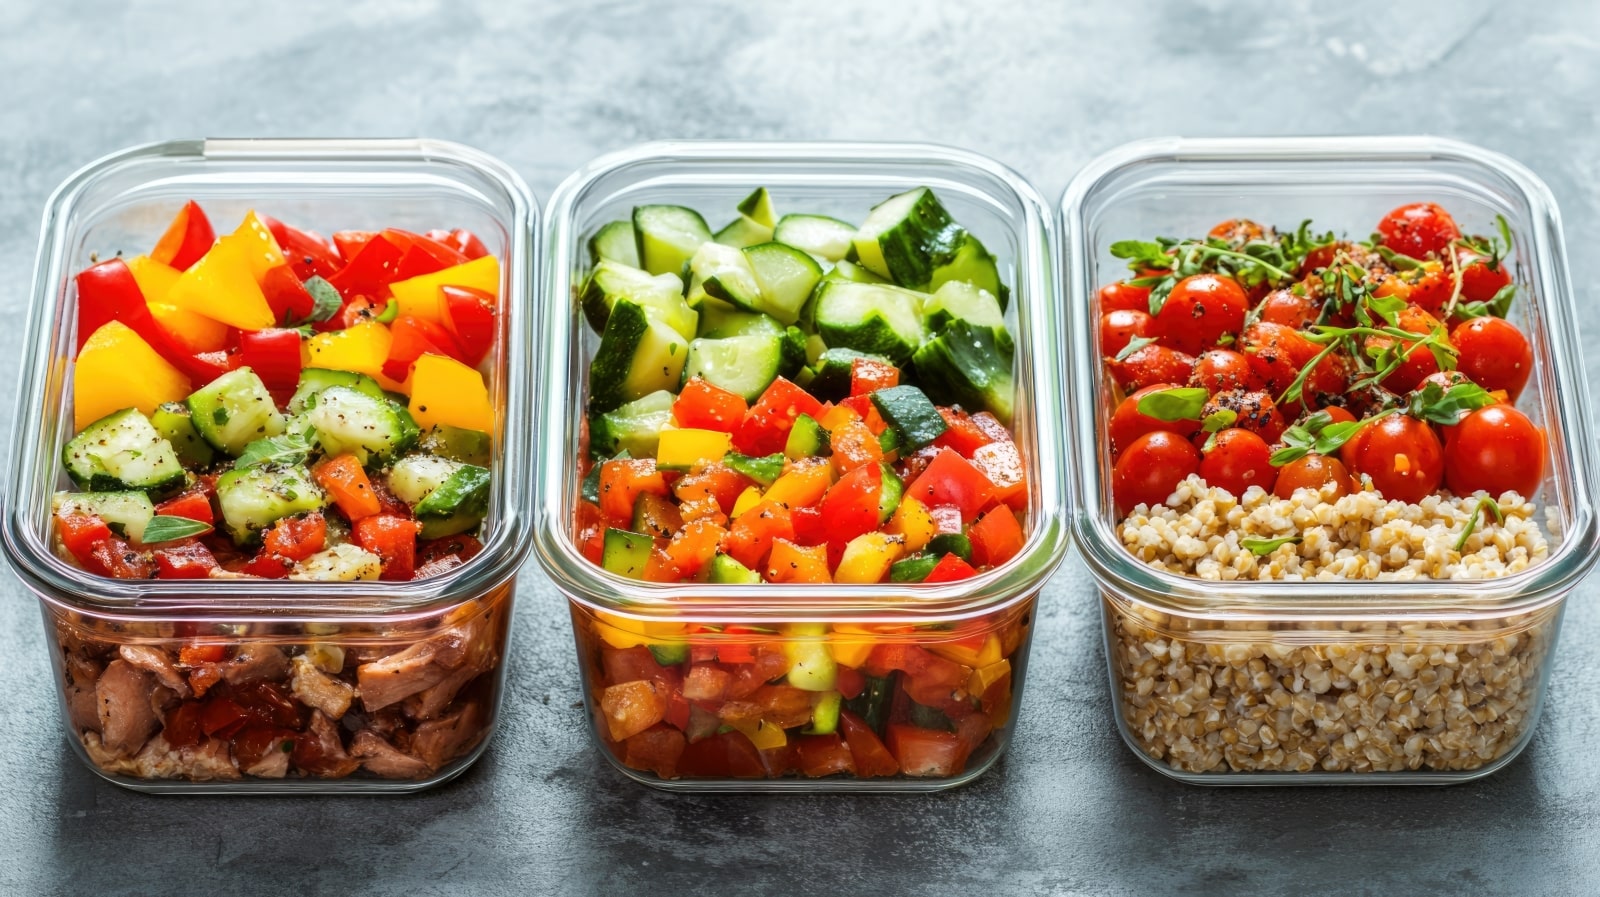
x: 1263, y: 547
x: 763, y: 470
x: 1446, y: 407
x: 392, y: 311
x: 1500, y: 304
x: 325, y: 300
x: 1334, y: 436
x: 1142, y: 254
x: 1181, y: 403
x: 283, y: 450
x: 1218, y: 420
x: 163, y: 528
x: 1400, y: 262
x: 1134, y: 345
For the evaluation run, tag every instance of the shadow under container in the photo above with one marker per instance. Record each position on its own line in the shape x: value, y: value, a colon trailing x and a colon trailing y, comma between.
x: 432, y: 651
x: 979, y: 628
x: 1329, y: 682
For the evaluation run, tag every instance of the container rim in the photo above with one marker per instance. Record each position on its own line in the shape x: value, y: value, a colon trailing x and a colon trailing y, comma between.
x: 852, y: 163
x: 69, y: 588
x: 1357, y: 600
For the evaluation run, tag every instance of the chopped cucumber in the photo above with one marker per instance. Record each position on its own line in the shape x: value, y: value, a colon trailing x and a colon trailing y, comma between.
x: 889, y: 497
x: 625, y: 553
x: 718, y: 321
x: 457, y: 505
x: 872, y: 705
x: 851, y: 271
x: 256, y: 497
x: 670, y: 655
x: 825, y: 715
x: 615, y: 242
x: 951, y: 543
x: 829, y: 376
x: 878, y: 319
x: 742, y: 232
x: 414, y: 477
x: 343, y: 562
x: 913, y: 569
x: 746, y: 365
x: 907, y: 236
x: 126, y: 513
x: 373, y: 429
x: 725, y: 273
x: 908, y: 411
x: 234, y: 410
x: 726, y: 570
x: 171, y: 420
x: 959, y: 300
x: 315, y: 380
x: 811, y: 663
x: 122, y: 451
x: 786, y: 276
x: 458, y: 444
x: 764, y: 470
x: 969, y: 366
x: 634, y: 428
x: 819, y: 235
x: 807, y: 439
x: 668, y: 237
x: 972, y: 264
x: 758, y: 207
x: 661, y: 296
x: 638, y: 355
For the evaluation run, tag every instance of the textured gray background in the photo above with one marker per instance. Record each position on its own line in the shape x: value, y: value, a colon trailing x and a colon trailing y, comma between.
x: 1045, y: 89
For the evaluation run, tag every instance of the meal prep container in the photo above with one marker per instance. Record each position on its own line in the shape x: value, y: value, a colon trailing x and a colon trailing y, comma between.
x: 978, y: 621
x: 1278, y: 683
x: 447, y: 633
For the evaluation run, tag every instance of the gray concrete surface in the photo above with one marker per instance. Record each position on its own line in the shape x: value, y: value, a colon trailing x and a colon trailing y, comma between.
x: 1043, y: 87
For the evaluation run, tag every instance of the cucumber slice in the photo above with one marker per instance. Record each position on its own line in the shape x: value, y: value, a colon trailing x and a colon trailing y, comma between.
x: 661, y: 296
x: 872, y: 705
x: 821, y: 236
x: 908, y: 411
x: 807, y: 439
x: 625, y: 553
x: 256, y: 497
x: 668, y: 237
x: 126, y: 513
x: 913, y: 569
x: 725, y: 273
x: 344, y: 562
x: 122, y: 451
x: 234, y: 410
x: 615, y: 242
x: 893, y: 490
x: 969, y: 366
x: 458, y: 444
x: 414, y: 477
x: 825, y: 715
x: 350, y: 421
x: 742, y: 232
x: 670, y: 655
x: 959, y: 300
x: 634, y: 428
x: 811, y: 663
x: 951, y: 543
x: 718, y: 320
x: 907, y: 236
x: 315, y: 380
x: 171, y: 420
x: 828, y: 377
x: 764, y: 470
x: 758, y: 208
x: 746, y: 365
x: 726, y: 570
x: 853, y: 272
x: 457, y: 505
x: 878, y: 319
x: 786, y: 276
x: 974, y: 265
x: 638, y: 355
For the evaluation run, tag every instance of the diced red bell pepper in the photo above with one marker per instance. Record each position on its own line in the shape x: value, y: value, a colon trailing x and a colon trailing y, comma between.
x: 268, y: 565
x: 721, y: 756
x: 463, y: 241
x: 351, y: 242
x: 186, y: 239
x: 961, y: 433
x: 702, y: 406
x: 850, y: 506
x: 296, y: 538
x: 347, y: 483
x: 469, y: 312
x: 951, y: 480
x: 108, y: 292
x: 424, y: 255
x: 307, y: 254
x: 869, y: 374
x: 191, y: 561
x: 274, y: 355
x: 181, y: 728
x: 193, y: 505
x: 823, y: 755
x: 750, y: 537
x: 375, y: 265
x: 950, y: 569
x: 115, y: 558
x: 738, y: 652
x: 415, y: 337
x: 765, y: 428
x: 997, y: 537
x: 621, y: 483
x: 925, y: 752
x: 287, y: 295
x: 868, y: 412
x: 81, y: 534
x: 808, y: 527
x: 866, y: 750
x: 392, y: 538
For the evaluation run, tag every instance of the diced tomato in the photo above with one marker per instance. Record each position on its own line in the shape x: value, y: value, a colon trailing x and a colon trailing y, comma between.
x: 186, y: 239
x: 181, y: 728
x: 274, y: 355
x: 590, y: 528
x: 115, y: 558
x: 951, y: 480
x: 868, y: 412
x: 307, y: 254
x: 656, y: 749
x: 706, y: 682
x: 961, y: 433
x: 268, y: 566
x: 1001, y: 463
x: 198, y: 653
x: 693, y: 547
x: 750, y: 537
x: 950, y: 568
x: 722, y: 756
x: 637, y: 664
x: 770, y: 662
x: 251, y: 744
x: 925, y: 752
x: 866, y: 750
x: 193, y: 505
x: 268, y: 704
x: 854, y: 445
x: 392, y: 538
x: 703, y: 406
x: 869, y: 374
x: 191, y: 561
x: 997, y: 537
x: 621, y: 483
x: 296, y: 538
x: 766, y: 425
x: 346, y: 482
x: 823, y: 755
x: 375, y: 265
x: 413, y: 338
x: 632, y: 707
x: 470, y: 315
x: 850, y: 507
x: 81, y: 533
x: 716, y: 485
x: 850, y: 682
x: 808, y: 527
x: 287, y: 295
x: 221, y: 717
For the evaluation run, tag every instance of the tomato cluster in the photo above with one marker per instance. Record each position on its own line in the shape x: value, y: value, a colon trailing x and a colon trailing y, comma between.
x: 1287, y: 361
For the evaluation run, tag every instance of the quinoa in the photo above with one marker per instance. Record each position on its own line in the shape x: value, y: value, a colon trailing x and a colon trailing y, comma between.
x: 1204, y: 695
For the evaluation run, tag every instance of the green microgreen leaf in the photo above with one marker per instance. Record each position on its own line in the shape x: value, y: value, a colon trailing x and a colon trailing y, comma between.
x: 1477, y: 513
x: 1264, y: 547
x: 1179, y: 403
x: 1446, y: 407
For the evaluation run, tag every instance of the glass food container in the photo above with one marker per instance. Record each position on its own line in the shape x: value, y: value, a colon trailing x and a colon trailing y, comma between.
x: 435, y: 649
x: 1319, y: 682
x: 979, y: 626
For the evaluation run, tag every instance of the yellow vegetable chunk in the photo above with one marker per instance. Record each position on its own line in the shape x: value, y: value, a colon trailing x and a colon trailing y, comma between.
x: 261, y: 246
x: 362, y: 349
x: 445, y: 391
x: 913, y: 521
x: 687, y: 449
x: 838, y: 416
x: 868, y: 557
x: 627, y: 632
x: 764, y: 735
x: 117, y: 369
x: 222, y: 286
x: 747, y: 499
x: 154, y: 279
x: 804, y: 484
x: 987, y: 675
x: 195, y: 333
x: 851, y: 644
x: 986, y: 655
x: 420, y: 295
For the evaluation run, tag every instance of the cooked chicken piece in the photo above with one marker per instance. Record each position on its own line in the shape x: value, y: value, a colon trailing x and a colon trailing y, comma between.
x: 207, y: 761
x: 323, y: 734
x: 163, y: 699
x: 255, y: 661
x: 439, y: 741
x: 384, y: 759
x: 421, y: 666
x: 274, y: 764
x: 122, y: 696
x: 317, y: 689
x: 156, y: 661
x: 430, y: 702
x: 82, y: 706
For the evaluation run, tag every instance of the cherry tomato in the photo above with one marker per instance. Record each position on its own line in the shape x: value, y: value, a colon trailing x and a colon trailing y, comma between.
x: 1222, y: 370
x: 1118, y: 328
x: 1494, y: 353
x: 1199, y: 310
x: 1150, y: 468
x: 1239, y: 459
x: 1418, y: 230
x: 1496, y: 449
x: 1338, y: 415
x: 1479, y: 282
x: 1421, y: 362
x: 1254, y: 410
x: 1277, y: 353
x: 1314, y: 471
x: 1122, y: 296
x: 1284, y: 307
x: 1319, y: 258
x: 1401, y: 454
x: 1127, y: 424
x: 1152, y: 364
x: 1237, y: 231
x: 1430, y: 289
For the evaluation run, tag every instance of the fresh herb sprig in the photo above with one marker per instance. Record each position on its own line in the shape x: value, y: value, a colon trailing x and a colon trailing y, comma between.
x: 1264, y: 547
x: 1477, y: 514
x: 1255, y: 263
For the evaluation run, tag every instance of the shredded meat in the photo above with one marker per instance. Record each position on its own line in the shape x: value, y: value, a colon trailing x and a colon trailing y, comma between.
x: 122, y: 697
x: 315, y: 688
x: 274, y: 764
x: 423, y: 665
x: 205, y: 762
x: 255, y: 661
x: 325, y: 743
x: 384, y: 759
x: 156, y: 661
x: 439, y: 741
x: 82, y: 706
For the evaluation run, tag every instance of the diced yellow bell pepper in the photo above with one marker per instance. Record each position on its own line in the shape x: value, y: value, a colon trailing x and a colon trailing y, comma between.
x: 117, y: 369
x: 222, y: 286
x: 764, y: 735
x: 851, y: 644
x: 686, y: 449
x: 154, y: 279
x: 985, y: 676
x: 445, y: 391
x: 984, y: 655
x: 627, y: 632
x: 868, y: 556
x: 196, y: 333
x: 261, y: 246
x: 747, y: 499
x: 804, y: 484
x: 913, y: 521
x: 362, y: 349
x: 838, y: 416
x: 420, y: 295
